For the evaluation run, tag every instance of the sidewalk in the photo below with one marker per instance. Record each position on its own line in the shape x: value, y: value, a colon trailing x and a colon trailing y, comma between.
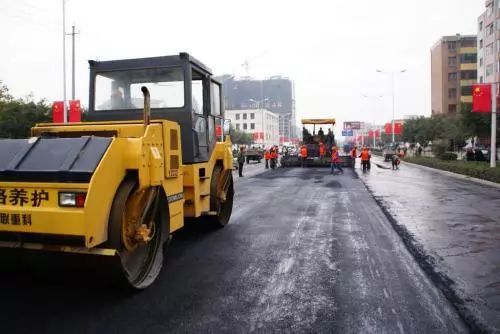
x: 452, y: 227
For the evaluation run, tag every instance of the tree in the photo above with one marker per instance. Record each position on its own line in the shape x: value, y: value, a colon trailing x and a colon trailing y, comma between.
x: 240, y: 137
x: 18, y: 116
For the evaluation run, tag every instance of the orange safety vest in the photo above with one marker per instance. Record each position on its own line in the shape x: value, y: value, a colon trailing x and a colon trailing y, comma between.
x: 365, y: 156
x: 267, y: 155
x: 303, y: 152
x: 274, y: 155
x: 321, y: 150
x: 353, y: 153
x: 335, y: 156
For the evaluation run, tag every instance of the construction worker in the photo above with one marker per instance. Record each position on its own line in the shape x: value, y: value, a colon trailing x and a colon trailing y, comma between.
x: 336, y: 160
x: 241, y: 160
x: 274, y: 156
x: 303, y: 155
x: 354, y: 155
x: 267, y: 157
x: 322, y: 151
x: 365, y: 159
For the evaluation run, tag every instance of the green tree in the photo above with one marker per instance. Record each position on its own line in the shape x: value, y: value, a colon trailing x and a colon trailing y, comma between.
x: 240, y: 137
x: 18, y: 116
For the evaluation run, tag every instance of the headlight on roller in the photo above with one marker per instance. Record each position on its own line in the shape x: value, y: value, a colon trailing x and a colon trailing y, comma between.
x: 72, y: 199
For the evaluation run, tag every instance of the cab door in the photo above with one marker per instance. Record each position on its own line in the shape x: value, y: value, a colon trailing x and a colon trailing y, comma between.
x: 200, y: 91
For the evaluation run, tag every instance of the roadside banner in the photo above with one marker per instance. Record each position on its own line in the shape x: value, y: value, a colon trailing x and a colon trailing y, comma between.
x: 347, y: 133
x: 352, y: 125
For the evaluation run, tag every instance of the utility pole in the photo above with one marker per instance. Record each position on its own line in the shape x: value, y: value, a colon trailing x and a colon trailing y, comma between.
x: 393, y: 134
x: 393, y: 74
x: 494, y: 88
x: 65, y: 116
x: 73, y: 33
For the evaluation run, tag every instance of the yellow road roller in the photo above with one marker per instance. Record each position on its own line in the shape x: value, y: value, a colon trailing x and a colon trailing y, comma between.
x: 150, y: 153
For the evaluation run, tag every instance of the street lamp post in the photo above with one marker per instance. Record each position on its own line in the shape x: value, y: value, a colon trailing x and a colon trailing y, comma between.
x: 372, y: 114
x: 494, y: 88
x: 393, y: 74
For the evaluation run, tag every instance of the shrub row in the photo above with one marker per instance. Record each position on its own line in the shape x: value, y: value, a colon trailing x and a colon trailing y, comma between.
x: 480, y: 170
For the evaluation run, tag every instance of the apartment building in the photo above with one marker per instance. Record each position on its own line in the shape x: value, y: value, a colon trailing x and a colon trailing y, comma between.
x: 485, y: 44
x: 276, y: 94
x: 453, y: 71
x: 262, y: 124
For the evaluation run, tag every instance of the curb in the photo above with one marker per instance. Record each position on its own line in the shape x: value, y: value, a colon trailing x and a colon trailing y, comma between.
x: 456, y: 175
x: 427, y: 263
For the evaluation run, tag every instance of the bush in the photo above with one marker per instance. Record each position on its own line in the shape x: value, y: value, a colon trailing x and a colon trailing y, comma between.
x: 448, y: 156
x: 480, y: 170
x: 438, y: 150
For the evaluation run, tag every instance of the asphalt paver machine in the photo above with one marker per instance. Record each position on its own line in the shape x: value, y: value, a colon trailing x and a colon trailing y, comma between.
x: 316, y: 132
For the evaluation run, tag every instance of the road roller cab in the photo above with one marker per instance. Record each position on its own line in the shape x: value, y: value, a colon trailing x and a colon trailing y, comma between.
x: 150, y: 153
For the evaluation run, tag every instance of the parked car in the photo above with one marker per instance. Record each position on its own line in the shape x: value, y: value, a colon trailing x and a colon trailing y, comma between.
x: 389, y: 151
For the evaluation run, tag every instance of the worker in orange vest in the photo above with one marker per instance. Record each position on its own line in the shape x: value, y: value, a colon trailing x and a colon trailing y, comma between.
x: 365, y: 159
x: 303, y: 155
x: 274, y: 156
x: 267, y: 157
x: 322, y: 151
x: 354, y: 155
x: 336, y: 160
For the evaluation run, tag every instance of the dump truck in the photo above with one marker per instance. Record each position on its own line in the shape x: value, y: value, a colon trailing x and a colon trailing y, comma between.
x: 150, y: 154
x: 312, y: 141
x: 254, y: 154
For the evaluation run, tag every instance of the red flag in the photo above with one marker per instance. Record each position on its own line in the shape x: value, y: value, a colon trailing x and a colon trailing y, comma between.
x: 75, y: 111
x: 398, y: 128
x: 58, y: 112
x: 388, y: 128
x: 377, y: 133
x: 371, y: 133
x: 481, y: 98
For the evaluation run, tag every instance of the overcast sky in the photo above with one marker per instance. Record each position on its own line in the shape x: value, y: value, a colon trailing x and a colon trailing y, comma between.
x: 331, y: 49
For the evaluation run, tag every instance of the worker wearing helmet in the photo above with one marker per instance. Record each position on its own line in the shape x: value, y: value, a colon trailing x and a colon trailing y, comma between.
x: 303, y: 155
x: 274, y: 156
x: 354, y: 154
x: 322, y: 151
x: 336, y: 160
x: 267, y: 157
x: 365, y: 158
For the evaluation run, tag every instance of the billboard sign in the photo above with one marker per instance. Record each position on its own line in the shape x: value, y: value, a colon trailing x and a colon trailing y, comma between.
x: 347, y: 133
x: 352, y: 125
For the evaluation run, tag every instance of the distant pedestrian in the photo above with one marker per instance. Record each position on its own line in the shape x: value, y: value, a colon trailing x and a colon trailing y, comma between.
x: 241, y: 160
x: 395, y: 161
x: 335, y: 161
x: 267, y: 157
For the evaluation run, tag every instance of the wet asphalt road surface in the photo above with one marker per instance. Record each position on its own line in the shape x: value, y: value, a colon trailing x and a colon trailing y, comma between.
x: 305, y: 251
x: 455, y: 223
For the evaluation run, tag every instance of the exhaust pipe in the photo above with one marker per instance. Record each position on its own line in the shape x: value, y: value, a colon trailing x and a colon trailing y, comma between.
x: 147, y: 105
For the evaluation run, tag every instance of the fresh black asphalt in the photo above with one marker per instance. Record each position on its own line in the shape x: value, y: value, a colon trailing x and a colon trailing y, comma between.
x: 305, y: 252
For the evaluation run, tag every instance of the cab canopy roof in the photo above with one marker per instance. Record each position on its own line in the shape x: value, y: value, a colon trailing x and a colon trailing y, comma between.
x: 318, y: 121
